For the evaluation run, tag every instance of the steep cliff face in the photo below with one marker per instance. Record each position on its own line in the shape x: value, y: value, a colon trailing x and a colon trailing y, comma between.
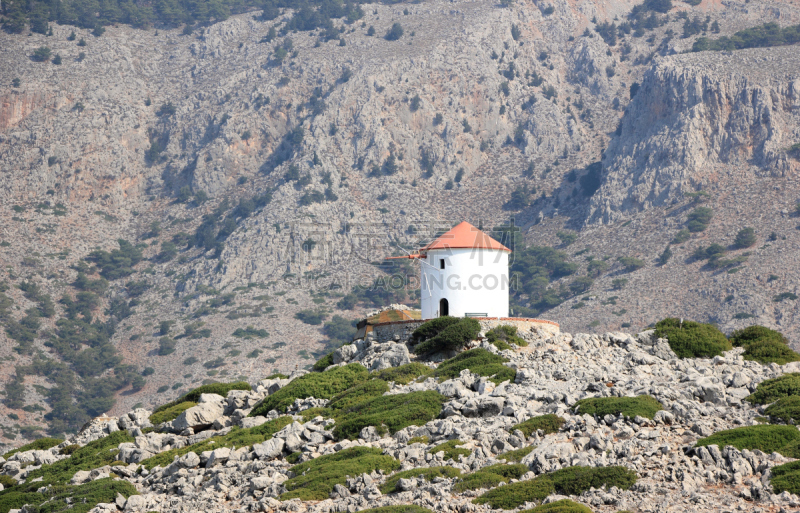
x: 476, y: 102
x: 699, y: 119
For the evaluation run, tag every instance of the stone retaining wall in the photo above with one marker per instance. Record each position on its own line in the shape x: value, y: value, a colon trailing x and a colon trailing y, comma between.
x: 402, y: 330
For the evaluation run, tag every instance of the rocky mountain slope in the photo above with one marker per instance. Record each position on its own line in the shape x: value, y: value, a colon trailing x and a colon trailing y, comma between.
x: 222, y: 455
x: 352, y: 148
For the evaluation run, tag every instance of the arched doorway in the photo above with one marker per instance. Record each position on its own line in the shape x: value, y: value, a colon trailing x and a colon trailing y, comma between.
x: 444, y: 308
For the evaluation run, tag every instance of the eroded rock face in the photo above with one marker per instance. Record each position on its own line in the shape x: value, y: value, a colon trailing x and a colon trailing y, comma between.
x: 698, y: 119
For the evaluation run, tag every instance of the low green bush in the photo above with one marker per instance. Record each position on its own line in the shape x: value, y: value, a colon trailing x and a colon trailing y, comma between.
x: 479, y: 361
x: 489, y: 477
x: 770, y: 390
x: 642, y: 405
x: 429, y: 473
x: 765, y: 438
x: 451, y: 450
x: 549, y: 423
x: 92, y: 455
x: 452, y: 338
x: 41, y: 444
x: 764, y: 345
x: 315, y: 479
x: 212, y: 388
x: 567, y: 481
x: 786, y: 478
x: 692, y: 339
x: 316, y: 412
x: 750, y: 334
x: 322, y: 385
x: 785, y: 409
x: 323, y: 363
x: 516, y: 454
x: 562, y: 506
x: 389, y: 412
x: 502, y: 336
x: 358, y: 394
x: 404, y: 374
x: 770, y: 351
x: 69, y: 449
x: 73, y: 498
x: 432, y: 328
x: 7, y: 481
x: 237, y: 437
x: 170, y: 413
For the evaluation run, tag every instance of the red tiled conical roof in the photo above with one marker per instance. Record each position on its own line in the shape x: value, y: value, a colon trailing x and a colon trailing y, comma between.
x: 465, y: 236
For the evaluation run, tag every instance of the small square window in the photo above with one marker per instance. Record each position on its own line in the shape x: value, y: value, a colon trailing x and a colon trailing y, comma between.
x: 441, y: 263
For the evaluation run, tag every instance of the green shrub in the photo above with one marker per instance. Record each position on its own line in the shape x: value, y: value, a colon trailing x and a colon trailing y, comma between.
x: 170, y: 413
x: 451, y: 450
x: 562, y: 506
x: 770, y: 351
x: 642, y: 405
x: 389, y: 412
x: 699, y: 219
x: 432, y: 328
x: 428, y: 473
x: 237, y: 437
x: 785, y: 409
x: 62, y: 497
x: 323, y: 363
x: 502, y: 336
x: 567, y: 481
x: 756, y: 333
x: 42, y: 444
x: 766, y: 438
x: 786, y: 477
x: 92, y: 455
x: 549, y: 423
x: 404, y: 374
x: 692, y: 339
x: 489, y: 477
x: 315, y: 479
x: 358, y: 394
x: 7, y: 481
x: 479, y: 361
x: 322, y: 385
x: 784, y: 295
x: 681, y: 237
x: 212, y: 388
x: 452, y: 338
x: 771, y: 390
x: 69, y: 449
x: 764, y: 345
x: 630, y: 264
x: 517, y: 454
x: 745, y: 238
x: 313, y: 317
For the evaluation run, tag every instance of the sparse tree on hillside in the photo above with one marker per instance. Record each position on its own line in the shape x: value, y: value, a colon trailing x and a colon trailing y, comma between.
x: 395, y: 33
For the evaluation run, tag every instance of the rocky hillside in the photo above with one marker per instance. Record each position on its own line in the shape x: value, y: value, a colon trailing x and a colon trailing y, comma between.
x: 257, y: 175
x: 600, y: 423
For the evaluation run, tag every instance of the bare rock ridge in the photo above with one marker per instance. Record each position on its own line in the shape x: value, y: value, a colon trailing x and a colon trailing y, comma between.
x: 701, y: 119
x: 217, y: 456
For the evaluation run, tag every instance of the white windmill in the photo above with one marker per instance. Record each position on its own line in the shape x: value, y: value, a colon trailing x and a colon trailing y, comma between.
x: 463, y: 272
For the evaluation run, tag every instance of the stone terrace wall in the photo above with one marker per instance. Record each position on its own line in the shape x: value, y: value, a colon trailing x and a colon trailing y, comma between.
x: 401, y: 330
